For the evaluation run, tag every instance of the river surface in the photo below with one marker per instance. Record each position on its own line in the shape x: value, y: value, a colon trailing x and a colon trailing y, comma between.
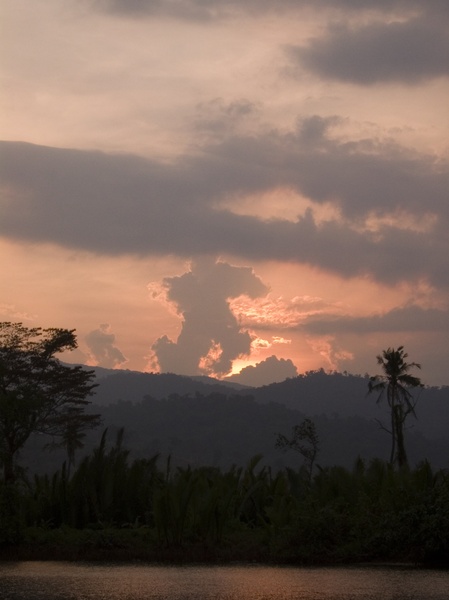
x: 88, y: 581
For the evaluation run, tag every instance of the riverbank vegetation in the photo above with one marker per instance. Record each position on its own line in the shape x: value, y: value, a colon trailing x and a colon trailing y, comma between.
x: 112, y: 507
x: 116, y: 505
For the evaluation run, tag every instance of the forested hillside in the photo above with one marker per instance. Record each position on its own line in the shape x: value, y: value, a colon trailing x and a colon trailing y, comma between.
x: 313, y: 394
x: 133, y: 386
x: 317, y: 393
x: 203, y: 422
x: 223, y: 430
x: 194, y: 475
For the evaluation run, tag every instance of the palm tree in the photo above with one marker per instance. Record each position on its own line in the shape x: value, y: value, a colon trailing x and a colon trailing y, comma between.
x: 396, y: 381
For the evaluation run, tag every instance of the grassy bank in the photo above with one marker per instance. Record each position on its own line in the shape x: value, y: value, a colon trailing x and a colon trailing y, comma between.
x: 130, y: 545
x: 141, y: 544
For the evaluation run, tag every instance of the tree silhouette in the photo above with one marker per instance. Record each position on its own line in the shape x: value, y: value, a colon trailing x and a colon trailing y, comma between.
x: 396, y: 381
x: 304, y: 440
x: 39, y: 394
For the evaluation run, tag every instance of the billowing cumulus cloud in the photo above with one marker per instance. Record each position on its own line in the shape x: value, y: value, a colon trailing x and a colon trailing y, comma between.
x: 211, y: 337
x: 265, y: 372
x: 102, y: 349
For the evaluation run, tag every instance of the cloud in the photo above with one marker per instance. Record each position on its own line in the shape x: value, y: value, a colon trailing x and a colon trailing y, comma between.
x: 279, y: 312
x: 330, y: 351
x: 211, y: 337
x: 10, y: 312
x: 208, y: 10
x: 402, y: 319
x: 219, y: 118
x: 270, y: 370
x: 202, y: 11
x: 407, y: 52
x: 184, y: 9
x: 124, y: 204
x: 365, y: 42
x: 102, y: 350
x: 351, y: 343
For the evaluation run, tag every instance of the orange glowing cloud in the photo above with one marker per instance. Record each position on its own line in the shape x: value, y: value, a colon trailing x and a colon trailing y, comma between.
x: 278, y: 312
x: 328, y: 348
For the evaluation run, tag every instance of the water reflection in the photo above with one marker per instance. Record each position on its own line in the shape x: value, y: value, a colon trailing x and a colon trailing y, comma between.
x: 68, y: 581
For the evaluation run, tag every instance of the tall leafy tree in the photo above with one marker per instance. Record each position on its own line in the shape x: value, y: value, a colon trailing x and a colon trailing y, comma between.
x: 396, y: 382
x: 38, y: 393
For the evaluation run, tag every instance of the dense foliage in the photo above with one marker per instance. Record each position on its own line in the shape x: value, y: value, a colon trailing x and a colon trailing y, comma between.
x: 118, y: 503
x: 178, y: 415
x: 371, y: 512
x: 38, y: 393
x: 219, y: 431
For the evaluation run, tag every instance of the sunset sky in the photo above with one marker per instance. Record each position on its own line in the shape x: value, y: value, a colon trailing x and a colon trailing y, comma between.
x: 200, y: 186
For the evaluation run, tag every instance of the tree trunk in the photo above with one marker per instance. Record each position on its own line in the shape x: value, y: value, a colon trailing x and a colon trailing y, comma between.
x: 401, y: 456
x: 391, y: 401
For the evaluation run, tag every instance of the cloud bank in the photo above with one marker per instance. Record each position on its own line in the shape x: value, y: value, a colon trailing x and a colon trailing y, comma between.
x: 391, y: 201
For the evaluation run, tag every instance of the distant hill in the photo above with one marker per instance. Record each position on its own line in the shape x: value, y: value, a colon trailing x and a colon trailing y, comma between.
x: 200, y: 420
x: 229, y: 429
x: 320, y: 393
x: 133, y: 386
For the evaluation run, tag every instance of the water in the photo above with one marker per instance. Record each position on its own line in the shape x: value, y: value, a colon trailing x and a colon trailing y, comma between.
x: 75, y: 581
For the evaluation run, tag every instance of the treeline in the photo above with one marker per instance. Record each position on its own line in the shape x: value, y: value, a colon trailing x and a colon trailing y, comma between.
x: 314, y: 393
x: 115, y: 506
x: 190, y: 500
x: 219, y: 431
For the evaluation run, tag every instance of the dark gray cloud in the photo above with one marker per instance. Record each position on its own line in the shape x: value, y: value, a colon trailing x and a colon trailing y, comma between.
x: 206, y: 10
x: 387, y: 40
x: 123, y: 204
x: 401, y: 319
x: 361, y: 177
x: 192, y: 10
x: 211, y: 337
x: 406, y: 52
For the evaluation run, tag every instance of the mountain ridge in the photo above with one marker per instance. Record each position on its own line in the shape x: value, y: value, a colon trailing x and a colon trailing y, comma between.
x: 313, y: 393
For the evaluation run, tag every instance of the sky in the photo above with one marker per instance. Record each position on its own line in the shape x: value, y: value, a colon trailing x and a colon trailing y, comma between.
x: 244, y: 189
